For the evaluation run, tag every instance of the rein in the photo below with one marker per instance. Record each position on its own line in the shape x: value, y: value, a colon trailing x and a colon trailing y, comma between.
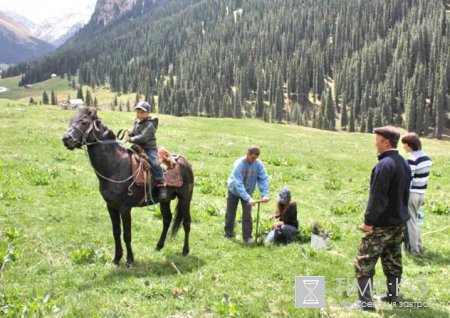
x: 92, y: 128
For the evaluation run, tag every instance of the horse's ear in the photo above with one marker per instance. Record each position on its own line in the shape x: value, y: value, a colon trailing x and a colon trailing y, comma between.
x: 93, y: 113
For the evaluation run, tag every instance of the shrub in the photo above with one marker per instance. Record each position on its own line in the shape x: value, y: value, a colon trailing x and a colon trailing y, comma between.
x: 87, y: 255
x: 279, y: 161
x: 346, y: 209
x: 438, y: 208
x: 304, y: 234
x: 436, y: 173
x: 211, y: 186
x: 227, y: 308
x: 327, y: 229
x: 212, y: 210
x: 265, y: 226
x: 12, y: 234
x: 333, y: 183
x: 40, y: 305
x: 8, y: 253
x: 157, y: 214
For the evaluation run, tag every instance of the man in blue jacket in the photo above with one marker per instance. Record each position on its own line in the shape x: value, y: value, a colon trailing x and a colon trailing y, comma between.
x: 247, y: 172
x: 384, y: 219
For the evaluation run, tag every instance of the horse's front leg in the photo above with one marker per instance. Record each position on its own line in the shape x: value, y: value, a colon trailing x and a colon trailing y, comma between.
x: 125, y: 213
x: 115, y: 220
x: 167, y: 218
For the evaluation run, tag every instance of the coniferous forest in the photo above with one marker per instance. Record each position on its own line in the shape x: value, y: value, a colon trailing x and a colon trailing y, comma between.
x: 329, y: 64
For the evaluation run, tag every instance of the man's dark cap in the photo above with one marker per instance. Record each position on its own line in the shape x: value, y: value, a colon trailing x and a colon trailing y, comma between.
x: 389, y: 132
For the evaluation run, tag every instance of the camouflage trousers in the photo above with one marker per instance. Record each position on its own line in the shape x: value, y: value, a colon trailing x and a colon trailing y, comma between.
x: 384, y: 243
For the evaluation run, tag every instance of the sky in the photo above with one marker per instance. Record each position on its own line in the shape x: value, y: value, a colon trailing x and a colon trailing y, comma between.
x: 40, y: 10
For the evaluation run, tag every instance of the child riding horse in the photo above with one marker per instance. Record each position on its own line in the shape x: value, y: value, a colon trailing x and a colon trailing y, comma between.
x: 112, y: 165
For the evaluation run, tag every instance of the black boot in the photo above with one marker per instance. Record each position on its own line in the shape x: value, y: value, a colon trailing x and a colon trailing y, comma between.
x: 392, y: 295
x: 364, y: 301
x: 162, y: 193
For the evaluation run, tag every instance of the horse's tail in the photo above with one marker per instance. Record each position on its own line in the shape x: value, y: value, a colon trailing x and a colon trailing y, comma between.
x: 177, y: 222
x: 182, y: 210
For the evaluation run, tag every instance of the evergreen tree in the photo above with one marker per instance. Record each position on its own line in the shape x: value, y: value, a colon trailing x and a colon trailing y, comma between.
x: 384, y: 56
x: 351, y: 127
x: 45, y: 99
x: 89, y: 102
x: 440, y: 102
x: 259, y: 101
x: 80, y: 94
x: 53, y: 99
x: 330, y: 112
x: 279, y: 103
x: 344, y: 115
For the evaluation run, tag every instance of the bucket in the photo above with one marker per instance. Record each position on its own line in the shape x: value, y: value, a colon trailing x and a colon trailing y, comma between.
x: 319, y: 242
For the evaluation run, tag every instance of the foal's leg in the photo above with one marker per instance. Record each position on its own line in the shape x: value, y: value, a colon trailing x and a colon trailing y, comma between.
x: 185, y: 206
x: 126, y: 221
x: 115, y: 220
x: 167, y: 218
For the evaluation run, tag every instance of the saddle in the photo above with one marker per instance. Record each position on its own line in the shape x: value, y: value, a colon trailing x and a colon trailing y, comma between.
x: 171, y: 168
x: 140, y: 167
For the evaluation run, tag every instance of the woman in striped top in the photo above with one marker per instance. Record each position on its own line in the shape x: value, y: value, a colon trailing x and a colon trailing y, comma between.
x: 420, y: 164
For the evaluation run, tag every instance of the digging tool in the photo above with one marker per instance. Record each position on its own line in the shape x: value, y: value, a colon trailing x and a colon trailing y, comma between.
x: 257, y: 221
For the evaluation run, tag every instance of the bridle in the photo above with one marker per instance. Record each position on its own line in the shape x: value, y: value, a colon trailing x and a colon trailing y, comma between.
x: 84, y: 136
x: 93, y: 127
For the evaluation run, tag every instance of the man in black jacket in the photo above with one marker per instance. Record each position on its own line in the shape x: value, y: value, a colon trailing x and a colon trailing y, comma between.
x: 384, y: 219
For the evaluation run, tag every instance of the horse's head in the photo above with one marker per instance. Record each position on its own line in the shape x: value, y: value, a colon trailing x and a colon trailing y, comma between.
x: 82, y: 129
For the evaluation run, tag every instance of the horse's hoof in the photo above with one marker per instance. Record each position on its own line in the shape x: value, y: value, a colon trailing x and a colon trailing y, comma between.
x: 129, y: 265
x: 116, y: 262
x: 159, y: 247
x: 185, y: 252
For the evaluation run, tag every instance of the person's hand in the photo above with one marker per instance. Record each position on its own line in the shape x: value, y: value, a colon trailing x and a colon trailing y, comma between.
x: 127, y: 135
x: 252, y: 202
x: 271, y: 217
x: 265, y: 199
x: 277, y: 225
x: 366, y: 228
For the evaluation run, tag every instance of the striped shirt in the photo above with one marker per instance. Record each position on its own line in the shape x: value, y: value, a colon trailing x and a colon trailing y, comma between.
x: 420, y: 165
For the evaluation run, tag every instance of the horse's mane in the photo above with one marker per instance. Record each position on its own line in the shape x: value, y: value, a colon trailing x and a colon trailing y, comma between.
x: 89, y: 111
x: 92, y: 113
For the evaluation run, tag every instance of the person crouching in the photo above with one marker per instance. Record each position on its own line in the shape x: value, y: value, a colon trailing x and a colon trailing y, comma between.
x: 285, y: 230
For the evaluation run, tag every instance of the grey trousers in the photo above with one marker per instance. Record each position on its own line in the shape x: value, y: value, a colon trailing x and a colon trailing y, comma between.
x: 230, y: 217
x: 288, y: 231
x: 413, y: 243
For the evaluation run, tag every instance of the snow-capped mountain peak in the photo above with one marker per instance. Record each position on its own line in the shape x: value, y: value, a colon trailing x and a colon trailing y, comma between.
x: 57, y: 30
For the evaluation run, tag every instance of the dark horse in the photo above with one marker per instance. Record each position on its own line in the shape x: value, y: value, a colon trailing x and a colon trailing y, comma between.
x: 111, y: 163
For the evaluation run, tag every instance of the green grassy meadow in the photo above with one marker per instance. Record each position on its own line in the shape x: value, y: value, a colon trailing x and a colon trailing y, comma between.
x: 55, y: 231
x: 62, y: 88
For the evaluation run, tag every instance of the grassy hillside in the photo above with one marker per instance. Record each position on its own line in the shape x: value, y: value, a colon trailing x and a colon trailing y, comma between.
x: 62, y: 89
x: 55, y: 225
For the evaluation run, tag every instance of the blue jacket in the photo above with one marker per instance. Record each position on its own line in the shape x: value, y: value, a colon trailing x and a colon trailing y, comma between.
x: 243, y: 179
x: 389, y: 191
